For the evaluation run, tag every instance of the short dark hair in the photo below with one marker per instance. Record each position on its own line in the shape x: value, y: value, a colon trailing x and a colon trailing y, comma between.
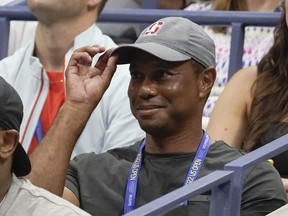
x: 197, y: 67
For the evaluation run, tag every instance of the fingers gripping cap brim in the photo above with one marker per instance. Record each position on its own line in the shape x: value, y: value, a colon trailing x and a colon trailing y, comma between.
x: 126, y: 52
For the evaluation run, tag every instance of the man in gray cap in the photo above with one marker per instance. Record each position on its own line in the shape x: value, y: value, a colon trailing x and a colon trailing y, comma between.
x: 172, y: 73
x: 18, y: 196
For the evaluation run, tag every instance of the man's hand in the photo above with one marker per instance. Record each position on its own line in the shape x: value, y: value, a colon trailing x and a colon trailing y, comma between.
x: 85, y: 83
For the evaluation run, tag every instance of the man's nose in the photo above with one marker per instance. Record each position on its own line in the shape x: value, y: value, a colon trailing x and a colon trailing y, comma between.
x: 147, y: 89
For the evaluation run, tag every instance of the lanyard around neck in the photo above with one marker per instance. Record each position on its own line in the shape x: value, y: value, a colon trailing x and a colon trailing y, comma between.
x: 131, y: 187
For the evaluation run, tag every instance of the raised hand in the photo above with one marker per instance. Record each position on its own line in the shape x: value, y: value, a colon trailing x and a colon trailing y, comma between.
x: 85, y: 83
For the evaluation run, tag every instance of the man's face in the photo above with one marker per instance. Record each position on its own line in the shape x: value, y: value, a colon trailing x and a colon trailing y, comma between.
x: 49, y: 11
x: 164, y: 96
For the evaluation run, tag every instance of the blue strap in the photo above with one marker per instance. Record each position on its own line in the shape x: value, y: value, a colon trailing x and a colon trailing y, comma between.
x: 131, y: 187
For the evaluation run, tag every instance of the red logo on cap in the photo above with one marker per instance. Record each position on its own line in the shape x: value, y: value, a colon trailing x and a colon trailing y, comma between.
x: 154, y: 28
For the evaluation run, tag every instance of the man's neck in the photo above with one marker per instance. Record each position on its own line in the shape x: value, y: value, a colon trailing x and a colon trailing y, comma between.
x: 185, y: 142
x: 5, y: 184
x: 54, y: 41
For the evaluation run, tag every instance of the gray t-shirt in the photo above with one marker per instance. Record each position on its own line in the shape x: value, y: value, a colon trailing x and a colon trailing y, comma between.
x: 25, y: 199
x: 99, y: 181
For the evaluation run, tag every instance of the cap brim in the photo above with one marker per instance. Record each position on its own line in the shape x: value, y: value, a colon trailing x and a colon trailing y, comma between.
x: 21, y: 162
x: 125, y: 52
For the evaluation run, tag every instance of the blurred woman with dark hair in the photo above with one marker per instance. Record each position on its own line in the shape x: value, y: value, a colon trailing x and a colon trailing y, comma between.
x: 257, y: 41
x: 253, y: 108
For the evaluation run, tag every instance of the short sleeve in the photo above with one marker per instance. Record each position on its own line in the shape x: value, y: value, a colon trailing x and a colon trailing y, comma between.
x: 72, y: 182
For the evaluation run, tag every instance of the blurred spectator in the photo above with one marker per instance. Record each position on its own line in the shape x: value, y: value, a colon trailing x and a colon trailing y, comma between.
x: 36, y: 71
x: 20, y: 33
x: 18, y: 196
x: 257, y: 41
x: 252, y: 110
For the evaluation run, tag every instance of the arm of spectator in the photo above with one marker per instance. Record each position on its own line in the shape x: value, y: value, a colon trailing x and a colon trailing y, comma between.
x: 71, y: 197
x: 229, y: 116
x: 285, y: 183
x: 85, y: 86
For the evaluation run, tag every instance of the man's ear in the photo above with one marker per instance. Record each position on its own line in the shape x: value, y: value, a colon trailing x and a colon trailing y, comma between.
x: 8, y: 143
x: 206, y: 78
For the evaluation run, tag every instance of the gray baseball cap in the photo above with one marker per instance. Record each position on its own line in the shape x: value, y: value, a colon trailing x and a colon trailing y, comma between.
x: 172, y: 39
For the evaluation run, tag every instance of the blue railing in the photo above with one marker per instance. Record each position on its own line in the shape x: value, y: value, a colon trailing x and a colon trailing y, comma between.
x: 17, y: 3
x: 218, y: 182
